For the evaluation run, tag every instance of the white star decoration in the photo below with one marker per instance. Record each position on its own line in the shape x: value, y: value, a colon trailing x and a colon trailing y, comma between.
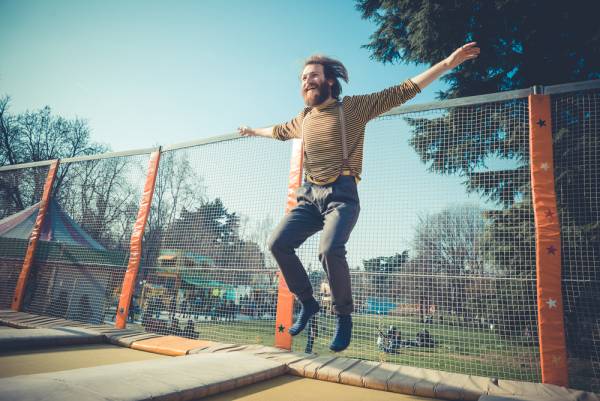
x: 551, y: 303
x: 545, y: 166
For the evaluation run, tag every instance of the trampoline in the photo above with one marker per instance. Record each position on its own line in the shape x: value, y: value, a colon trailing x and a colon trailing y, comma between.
x: 49, y: 358
x: 288, y: 387
x: 32, y: 362
x: 59, y: 358
x: 29, y: 364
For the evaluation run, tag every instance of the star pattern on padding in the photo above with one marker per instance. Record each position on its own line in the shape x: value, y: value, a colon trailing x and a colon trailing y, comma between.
x: 549, y: 214
x: 281, y: 328
x: 556, y: 360
x: 551, y: 250
x: 551, y: 303
x: 541, y: 123
x: 545, y: 166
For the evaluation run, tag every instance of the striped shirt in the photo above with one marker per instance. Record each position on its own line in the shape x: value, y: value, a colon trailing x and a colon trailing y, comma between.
x: 323, y: 153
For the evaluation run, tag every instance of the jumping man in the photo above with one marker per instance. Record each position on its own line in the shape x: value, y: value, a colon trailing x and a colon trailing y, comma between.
x: 333, y: 132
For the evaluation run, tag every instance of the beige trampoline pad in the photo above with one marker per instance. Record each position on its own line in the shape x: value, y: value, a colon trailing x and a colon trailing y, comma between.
x: 293, y: 388
x: 53, y: 359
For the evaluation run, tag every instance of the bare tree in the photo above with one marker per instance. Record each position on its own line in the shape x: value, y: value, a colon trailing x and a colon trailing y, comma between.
x: 36, y: 136
x: 102, y: 197
x: 9, y: 132
x: 178, y: 188
x: 448, y: 252
x: 258, y: 232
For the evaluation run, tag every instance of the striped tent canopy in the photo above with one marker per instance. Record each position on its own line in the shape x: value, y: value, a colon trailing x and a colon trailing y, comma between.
x: 58, y: 227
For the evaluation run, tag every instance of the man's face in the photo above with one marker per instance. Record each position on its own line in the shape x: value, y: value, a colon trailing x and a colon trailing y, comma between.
x: 315, y: 89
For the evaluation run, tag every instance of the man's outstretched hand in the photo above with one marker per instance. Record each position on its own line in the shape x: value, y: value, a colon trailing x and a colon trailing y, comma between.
x: 462, y: 54
x: 466, y: 52
x: 246, y: 131
x: 264, y: 132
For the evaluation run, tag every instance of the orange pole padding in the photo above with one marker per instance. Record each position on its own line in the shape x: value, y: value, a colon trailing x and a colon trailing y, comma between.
x: 17, y: 302
x: 285, y: 299
x: 553, y: 353
x: 135, y: 252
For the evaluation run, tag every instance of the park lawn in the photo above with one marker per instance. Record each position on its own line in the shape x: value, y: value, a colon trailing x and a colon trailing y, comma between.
x: 464, y: 350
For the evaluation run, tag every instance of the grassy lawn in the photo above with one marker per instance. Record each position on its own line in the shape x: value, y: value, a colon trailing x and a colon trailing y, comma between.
x: 458, y: 349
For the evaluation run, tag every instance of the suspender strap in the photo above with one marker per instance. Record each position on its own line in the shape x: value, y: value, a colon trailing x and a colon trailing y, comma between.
x: 345, y: 164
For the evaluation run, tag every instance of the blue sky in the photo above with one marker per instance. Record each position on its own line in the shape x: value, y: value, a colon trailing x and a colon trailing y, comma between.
x: 155, y: 72
x: 147, y: 73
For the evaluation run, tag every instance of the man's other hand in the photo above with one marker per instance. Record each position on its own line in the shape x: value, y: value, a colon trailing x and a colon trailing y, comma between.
x: 466, y: 52
x: 246, y: 131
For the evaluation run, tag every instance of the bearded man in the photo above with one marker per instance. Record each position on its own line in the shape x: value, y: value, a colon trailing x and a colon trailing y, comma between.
x: 332, y: 131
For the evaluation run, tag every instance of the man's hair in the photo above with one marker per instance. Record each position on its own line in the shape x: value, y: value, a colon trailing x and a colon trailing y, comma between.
x: 333, y: 69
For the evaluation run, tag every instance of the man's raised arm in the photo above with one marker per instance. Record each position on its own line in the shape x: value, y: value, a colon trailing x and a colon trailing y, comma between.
x: 281, y: 132
x: 459, y: 56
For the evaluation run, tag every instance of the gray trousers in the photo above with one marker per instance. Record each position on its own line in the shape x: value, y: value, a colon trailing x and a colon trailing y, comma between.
x: 333, y: 208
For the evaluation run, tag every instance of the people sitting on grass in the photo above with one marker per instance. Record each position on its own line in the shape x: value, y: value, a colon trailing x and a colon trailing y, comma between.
x: 391, y: 341
x: 424, y: 339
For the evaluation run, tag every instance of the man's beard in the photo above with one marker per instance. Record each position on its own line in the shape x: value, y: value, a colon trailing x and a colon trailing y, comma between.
x: 324, y: 92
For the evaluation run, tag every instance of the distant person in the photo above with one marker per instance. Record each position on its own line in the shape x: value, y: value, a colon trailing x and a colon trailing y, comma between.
x: 424, y: 339
x: 313, y: 333
x: 381, y: 341
x: 190, y: 330
x: 390, y: 341
x: 174, y: 327
x: 196, y: 307
x: 332, y: 130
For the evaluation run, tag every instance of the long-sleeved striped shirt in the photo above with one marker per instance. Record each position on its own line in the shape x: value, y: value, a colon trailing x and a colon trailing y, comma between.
x: 322, y: 136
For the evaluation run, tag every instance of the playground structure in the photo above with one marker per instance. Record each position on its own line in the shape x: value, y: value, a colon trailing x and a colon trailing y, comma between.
x: 498, y: 214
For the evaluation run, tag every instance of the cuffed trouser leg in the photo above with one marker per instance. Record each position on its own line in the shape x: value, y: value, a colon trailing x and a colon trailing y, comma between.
x: 340, y: 219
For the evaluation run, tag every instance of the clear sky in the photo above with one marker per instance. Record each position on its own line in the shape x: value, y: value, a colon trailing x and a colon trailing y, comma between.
x: 145, y: 73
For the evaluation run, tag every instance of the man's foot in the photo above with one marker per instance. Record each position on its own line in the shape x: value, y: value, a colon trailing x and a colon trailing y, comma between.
x: 308, y: 309
x: 343, y: 333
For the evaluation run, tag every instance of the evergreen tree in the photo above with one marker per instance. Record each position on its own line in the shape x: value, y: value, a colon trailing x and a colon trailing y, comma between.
x: 519, y: 40
x: 538, y: 42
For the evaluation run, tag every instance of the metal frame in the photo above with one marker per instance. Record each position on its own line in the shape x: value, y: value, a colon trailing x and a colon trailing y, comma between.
x: 108, y: 155
x: 495, y: 97
x: 463, y: 101
x: 197, y: 142
x: 443, y: 104
x: 571, y: 87
x: 26, y: 165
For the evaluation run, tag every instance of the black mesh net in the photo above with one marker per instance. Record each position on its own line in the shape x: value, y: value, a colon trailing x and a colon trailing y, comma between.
x: 576, y: 128
x: 79, y: 266
x: 443, y: 254
x: 442, y: 258
x: 21, y: 191
x: 206, y: 271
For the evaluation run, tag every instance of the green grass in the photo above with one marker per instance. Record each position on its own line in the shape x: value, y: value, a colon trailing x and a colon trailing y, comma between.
x: 458, y: 349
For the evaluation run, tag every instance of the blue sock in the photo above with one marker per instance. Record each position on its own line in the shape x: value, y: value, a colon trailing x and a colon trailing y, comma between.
x: 309, y: 308
x: 343, y: 333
